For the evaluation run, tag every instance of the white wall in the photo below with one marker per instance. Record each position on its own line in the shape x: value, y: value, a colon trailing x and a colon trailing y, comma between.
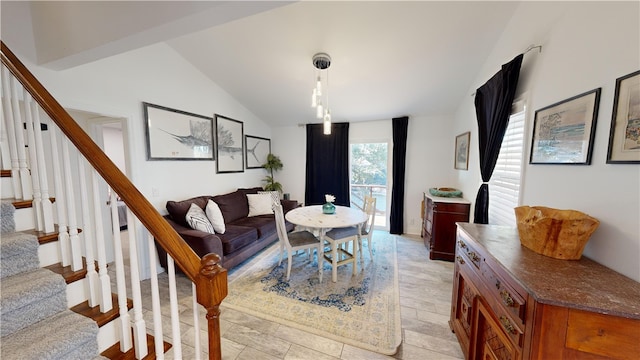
x: 429, y: 158
x: 585, y: 45
x: 118, y: 85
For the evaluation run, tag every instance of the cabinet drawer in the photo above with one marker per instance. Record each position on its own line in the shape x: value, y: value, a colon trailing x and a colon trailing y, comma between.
x: 450, y: 208
x: 505, y: 296
x: 466, y: 250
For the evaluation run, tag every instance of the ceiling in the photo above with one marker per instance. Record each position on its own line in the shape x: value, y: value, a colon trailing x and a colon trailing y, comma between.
x: 389, y: 58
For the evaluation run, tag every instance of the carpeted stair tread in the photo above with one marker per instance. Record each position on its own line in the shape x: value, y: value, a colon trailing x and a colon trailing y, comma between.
x: 30, y: 297
x: 65, y: 335
x: 18, y: 253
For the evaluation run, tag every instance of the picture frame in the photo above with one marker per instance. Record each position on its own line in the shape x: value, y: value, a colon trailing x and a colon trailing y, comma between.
x: 624, y: 136
x: 177, y: 135
x: 229, y: 145
x: 563, y: 132
x: 256, y: 151
x: 461, y: 160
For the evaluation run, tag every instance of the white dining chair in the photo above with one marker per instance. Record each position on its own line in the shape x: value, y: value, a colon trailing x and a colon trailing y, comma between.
x: 294, y: 241
x: 345, y: 235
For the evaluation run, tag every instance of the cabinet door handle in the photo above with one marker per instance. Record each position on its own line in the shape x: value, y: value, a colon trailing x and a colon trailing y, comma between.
x: 474, y: 256
x: 507, y: 325
x: 460, y: 260
x: 506, y: 298
x: 462, y: 244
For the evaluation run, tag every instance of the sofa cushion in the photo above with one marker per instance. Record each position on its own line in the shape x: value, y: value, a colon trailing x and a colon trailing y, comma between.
x: 197, y: 219
x: 237, y: 237
x: 233, y: 205
x: 265, y: 224
x: 215, y: 216
x: 178, y: 209
x: 259, y: 204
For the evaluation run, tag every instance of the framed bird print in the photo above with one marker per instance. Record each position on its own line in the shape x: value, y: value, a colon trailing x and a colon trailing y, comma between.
x: 177, y: 135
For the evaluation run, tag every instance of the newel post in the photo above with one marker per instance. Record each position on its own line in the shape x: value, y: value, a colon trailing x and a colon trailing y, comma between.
x: 211, y: 289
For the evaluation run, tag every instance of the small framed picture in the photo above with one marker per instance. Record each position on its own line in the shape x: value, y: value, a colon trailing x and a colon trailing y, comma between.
x: 256, y: 150
x: 461, y: 161
x: 563, y: 132
x: 177, y: 135
x: 229, y: 145
x: 624, y: 137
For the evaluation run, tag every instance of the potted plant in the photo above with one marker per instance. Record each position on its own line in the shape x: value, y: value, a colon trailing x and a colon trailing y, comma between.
x: 273, y: 164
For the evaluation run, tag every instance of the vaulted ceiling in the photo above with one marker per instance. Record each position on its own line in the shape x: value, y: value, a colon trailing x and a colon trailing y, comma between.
x: 389, y: 58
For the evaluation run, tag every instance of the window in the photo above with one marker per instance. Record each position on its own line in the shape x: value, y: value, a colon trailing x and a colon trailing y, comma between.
x: 504, y: 188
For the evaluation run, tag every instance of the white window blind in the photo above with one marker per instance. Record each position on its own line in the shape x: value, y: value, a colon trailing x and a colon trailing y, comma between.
x: 504, y: 186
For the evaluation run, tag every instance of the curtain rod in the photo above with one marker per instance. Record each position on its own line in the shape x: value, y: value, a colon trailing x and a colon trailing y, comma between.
x: 531, y: 47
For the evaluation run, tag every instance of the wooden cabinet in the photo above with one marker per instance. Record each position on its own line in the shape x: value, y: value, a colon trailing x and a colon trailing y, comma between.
x: 509, y: 302
x: 439, y: 224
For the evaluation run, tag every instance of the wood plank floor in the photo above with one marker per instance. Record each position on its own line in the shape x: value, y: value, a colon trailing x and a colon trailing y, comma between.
x: 425, y: 296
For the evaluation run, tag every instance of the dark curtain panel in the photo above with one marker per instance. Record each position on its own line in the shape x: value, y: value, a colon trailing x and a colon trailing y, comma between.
x: 396, y: 218
x: 327, y: 164
x: 493, y: 106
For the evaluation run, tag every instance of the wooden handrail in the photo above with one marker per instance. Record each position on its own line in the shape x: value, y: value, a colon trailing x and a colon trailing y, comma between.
x: 164, y: 234
x: 209, y: 277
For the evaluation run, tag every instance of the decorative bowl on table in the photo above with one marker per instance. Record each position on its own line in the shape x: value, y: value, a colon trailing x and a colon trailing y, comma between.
x: 560, y: 234
x: 445, y: 192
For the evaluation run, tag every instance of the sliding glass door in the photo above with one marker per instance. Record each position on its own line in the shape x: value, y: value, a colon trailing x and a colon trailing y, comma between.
x: 369, y: 177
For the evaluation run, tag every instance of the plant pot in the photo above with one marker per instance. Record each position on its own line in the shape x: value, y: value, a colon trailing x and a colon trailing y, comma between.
x: 328, y: 208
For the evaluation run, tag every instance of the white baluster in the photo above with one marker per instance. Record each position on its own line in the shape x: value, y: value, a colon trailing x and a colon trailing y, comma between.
x: 87, y: 234
x: 196, y: 321
x: 47, y: 206
x: 35, y: 177
x: 11, y: 133
x: 138, y: 323
x: 106, y: 303
x: 23, y: 169
x: 175, y: 315
x: 155, y: 301
x: 61, y: 208
x: 74, y: 239
x: 125, y: 329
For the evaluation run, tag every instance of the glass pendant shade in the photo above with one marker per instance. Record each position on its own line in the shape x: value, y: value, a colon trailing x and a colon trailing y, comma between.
x: 319, y: 86
x: 326, y: 127
x: 319, y: 111
x: 314, y: 98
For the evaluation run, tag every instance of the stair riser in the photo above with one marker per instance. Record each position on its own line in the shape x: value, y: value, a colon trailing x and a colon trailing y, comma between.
x: 49, y: 254
x: 76, y: 292
x: 6, y: 188
x: 108, y: 334
x: 25, y: 219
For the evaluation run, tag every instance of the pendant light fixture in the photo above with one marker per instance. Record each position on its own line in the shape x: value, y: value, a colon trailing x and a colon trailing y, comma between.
x: 320, y: 96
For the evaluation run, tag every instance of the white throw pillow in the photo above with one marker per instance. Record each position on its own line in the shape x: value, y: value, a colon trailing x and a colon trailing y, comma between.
x: 197, y: 219
x: 259, y: 204
x: 275, y: 195
x: 215, y: 216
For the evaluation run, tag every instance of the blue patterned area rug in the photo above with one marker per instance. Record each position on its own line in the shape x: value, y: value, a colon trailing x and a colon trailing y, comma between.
x: 362, y: 310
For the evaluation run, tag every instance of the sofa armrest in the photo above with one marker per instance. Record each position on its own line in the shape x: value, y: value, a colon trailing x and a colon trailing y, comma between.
x: 201, y: 242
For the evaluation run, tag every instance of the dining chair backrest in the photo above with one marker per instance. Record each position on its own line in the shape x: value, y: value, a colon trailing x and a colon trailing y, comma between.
x: 281, y: 227
x: 369, y: 208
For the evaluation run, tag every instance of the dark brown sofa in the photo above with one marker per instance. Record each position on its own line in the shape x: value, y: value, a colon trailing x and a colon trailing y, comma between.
x: 244, y: 236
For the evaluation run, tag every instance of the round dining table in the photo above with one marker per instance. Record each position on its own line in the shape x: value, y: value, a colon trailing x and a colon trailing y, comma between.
x: 313, y: 217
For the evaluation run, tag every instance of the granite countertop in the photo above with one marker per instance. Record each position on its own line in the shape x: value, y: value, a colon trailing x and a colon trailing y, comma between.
x: 580, y: 284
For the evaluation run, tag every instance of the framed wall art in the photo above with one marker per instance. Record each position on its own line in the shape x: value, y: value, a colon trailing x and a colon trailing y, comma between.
x: 563, y: 132
x: 229, y: 145
x: 624, y: 137
x: 177, y: 135
x: 256, y: 151
x: 461, y: 161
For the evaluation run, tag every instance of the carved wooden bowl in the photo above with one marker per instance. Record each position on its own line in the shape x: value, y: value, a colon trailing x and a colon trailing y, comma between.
x: 560, y: 234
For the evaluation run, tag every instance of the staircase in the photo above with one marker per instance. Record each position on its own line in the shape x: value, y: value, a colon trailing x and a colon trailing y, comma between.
x: 66, y: 291
x: 35, y: 320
